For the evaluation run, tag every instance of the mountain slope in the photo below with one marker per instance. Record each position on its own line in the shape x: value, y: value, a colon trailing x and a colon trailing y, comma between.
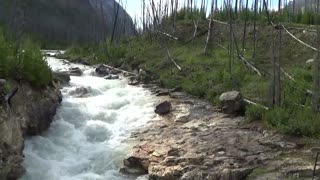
x: 66, y: 21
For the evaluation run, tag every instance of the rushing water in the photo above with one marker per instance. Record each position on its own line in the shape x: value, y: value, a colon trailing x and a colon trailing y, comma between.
x: 86, y: 139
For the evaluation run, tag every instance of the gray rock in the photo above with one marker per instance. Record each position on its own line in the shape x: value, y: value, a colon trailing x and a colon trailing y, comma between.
x: 163, y: 108
x: 2, y: 82
x: 102, y: 70
x: 111, y: 77
x: 134, y: 83
x: 231, y: 102
x: 81, y: 92
x: 63, y: 78
x: 33, y: 111
x: 75, y: 71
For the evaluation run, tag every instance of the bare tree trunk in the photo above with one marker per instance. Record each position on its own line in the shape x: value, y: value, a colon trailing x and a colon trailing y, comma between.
x: 316, y: 93
x: 255, y: 29
x: 276, y: 63
x: 245, y: 28
x: 231, y: 48
x: 236, y: 9
x: 209, y: 29
x: 116, y: 14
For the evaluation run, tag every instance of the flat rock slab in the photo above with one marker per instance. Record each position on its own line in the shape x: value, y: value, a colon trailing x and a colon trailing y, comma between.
x: 196, y: 142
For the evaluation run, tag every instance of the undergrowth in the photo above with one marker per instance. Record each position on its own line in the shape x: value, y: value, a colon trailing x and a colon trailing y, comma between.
x: 24, y: 62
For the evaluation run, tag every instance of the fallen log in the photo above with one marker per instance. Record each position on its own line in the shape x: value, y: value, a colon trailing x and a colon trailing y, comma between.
x: 172, y: 60
x: 297, y: 39
x: 123, y: 71
x: 255, y: 104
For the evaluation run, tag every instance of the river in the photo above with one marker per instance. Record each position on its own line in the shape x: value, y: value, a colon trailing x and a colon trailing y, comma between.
x: 88, y: 138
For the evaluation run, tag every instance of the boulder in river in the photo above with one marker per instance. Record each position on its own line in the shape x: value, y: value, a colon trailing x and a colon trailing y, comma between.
x: 102, y: 70
x: 80, y: 92
x: 111, y: 77
x: 231, y: 102
x: 75, y: 71
x: 163, y: 108
x: 61, y: 77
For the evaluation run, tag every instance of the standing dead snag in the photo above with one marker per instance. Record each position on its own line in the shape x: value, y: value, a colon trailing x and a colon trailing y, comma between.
x: 245, y: 28
x: 210, y: 28
x: 255, y: 29
x: 276, y: 66
x: 316, y: 93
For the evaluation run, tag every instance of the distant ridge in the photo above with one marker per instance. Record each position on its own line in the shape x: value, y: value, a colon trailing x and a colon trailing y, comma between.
x: 66, y: 21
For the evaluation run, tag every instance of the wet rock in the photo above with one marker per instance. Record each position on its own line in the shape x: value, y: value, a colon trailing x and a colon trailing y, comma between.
x: 163, y: 108
x: 162, y: 93
x: 32, y: 113
x: 231, y: 102
x: 135, y: 165
x: 75, y: 71
x: 102, y: 70
x: 111, y: 77
x: 81, y: 92
x: 63, y: 78
x: 134, y: 83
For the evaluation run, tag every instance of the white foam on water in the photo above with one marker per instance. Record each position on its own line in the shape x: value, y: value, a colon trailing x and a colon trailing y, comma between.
x: 86, y: 139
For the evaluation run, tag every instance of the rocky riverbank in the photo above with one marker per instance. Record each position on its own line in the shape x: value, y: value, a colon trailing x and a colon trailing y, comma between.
x: 30, y: 113
x: 197, y: 141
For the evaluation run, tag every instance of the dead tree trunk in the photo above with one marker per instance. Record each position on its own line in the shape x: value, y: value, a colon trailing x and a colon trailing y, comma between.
x: 316, y: 93
x: 255, y: 29
x: 245, y: 28
x: 209, y: 28
x: 116, y: 14
x: 276, y: 84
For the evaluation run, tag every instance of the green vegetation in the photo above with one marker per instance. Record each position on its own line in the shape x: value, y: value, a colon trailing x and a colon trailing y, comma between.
x: 24, y: 63
x: 95, y: 54
x: 254, y: 113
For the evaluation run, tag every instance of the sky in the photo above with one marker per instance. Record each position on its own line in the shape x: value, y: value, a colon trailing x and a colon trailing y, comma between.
x: 133, y: 7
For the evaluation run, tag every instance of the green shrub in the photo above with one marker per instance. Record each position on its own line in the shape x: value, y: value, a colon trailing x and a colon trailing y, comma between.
x: 298, y: 122
x: 25, y: 63
x: 254, y: 113
x: 32, y: 66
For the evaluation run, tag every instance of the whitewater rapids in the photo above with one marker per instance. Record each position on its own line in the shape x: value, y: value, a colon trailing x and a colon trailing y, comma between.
x: 86, y: 141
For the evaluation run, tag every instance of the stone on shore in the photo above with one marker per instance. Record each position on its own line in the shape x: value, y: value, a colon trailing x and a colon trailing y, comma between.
x: 231, y: 102
x: 163, y: 108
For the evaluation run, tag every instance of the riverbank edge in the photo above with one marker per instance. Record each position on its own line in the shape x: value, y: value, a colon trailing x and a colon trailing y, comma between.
x: 31, y: 113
